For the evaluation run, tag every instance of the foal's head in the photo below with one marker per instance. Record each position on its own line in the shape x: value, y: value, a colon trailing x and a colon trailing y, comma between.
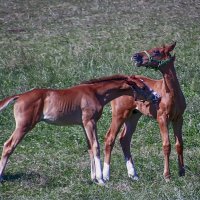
x: 142, y: 91
x: 154, y: 58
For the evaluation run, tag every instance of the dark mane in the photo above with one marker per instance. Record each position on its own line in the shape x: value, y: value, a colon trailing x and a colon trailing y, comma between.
x: 104, y: 79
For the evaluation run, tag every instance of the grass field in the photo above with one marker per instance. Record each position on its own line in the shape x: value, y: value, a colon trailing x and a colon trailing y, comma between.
x: 57, y: 44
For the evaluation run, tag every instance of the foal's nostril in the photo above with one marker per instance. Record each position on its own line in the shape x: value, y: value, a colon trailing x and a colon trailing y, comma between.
x: 133, y: 58
x: 137, y: 58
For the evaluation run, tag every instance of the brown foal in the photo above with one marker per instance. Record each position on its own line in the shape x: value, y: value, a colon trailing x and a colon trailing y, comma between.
x: 127, y: 111
x: 81, y: 104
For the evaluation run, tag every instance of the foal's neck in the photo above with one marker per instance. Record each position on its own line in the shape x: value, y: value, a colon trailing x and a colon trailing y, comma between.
x: 170, y: 78
x: 108, y: 91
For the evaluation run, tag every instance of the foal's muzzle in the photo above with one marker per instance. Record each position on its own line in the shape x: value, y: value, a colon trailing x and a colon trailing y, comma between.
x: 155, y: 97
x: 137, y: 59
x: 150, y: 95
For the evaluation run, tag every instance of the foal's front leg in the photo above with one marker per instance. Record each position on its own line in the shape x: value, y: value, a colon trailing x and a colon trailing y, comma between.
x: 177, y: 126
x: 94, y: 150
x: 163, y: 125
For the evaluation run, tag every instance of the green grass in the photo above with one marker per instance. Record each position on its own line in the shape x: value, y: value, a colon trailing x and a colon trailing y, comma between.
x: 56, y: 44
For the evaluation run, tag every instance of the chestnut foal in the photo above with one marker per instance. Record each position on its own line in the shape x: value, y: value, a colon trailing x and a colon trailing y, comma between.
x: 81, y: 104
x: 127, y: 111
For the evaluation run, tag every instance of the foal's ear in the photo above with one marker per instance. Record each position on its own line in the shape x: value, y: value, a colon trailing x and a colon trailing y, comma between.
x: 131, y: 80
x: 135, y: 82
x: 170, y: 47
x: 132, y: 77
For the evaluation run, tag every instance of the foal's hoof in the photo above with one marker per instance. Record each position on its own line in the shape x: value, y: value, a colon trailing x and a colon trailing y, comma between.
x: 1, y: 179
x: 182, y: 172
x: 167, y: 176
x: 133, y: 177
x: 99, y: 182
x: 167, y: 179
x: 106, y: 179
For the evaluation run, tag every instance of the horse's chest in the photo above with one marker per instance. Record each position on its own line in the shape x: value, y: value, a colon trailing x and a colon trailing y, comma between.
x: 172, y: 107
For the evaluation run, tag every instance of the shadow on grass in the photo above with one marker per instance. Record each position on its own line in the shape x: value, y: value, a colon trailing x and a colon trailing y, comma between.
x: 37, y: 179
x: 33, y: 176
x: 13, y: 177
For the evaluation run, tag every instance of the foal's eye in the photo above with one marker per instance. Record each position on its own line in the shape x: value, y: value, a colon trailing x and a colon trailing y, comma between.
x: 156, y: 53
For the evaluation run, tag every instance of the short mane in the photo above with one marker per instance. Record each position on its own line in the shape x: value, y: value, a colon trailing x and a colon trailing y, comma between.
x: 103, y: 79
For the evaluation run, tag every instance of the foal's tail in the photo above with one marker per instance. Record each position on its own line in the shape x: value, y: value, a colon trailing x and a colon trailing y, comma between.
x: 5, y: 102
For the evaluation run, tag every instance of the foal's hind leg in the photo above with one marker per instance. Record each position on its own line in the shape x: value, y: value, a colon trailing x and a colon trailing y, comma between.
x: 177, y: 126
x: 9, y: 147
x: 125, y: 141
x: 94, y: 151
x: 109, y: 141
x: 25, y: 121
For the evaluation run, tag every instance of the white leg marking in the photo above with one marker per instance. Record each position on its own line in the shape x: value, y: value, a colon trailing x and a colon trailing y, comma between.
x: 93, y: 172
x: 131, y: 170
x: 106, y: 172
x: 98, y: 171
x: 98, y: 167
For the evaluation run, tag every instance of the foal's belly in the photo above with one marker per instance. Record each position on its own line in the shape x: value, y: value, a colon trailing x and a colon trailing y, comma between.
x: 63, y: 119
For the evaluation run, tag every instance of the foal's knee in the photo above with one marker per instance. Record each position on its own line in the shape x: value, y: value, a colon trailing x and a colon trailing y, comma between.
x: 179, y: 148
x: 166, y: 148
x: 109, y: 142
x: 7, y: 148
